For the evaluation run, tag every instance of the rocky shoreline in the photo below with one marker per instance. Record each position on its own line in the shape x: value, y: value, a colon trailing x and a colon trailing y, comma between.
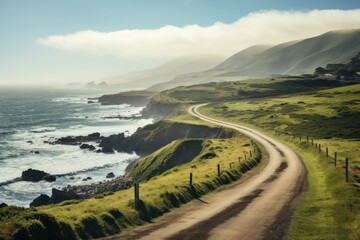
x: 144, y: 141
x: 83, y: 191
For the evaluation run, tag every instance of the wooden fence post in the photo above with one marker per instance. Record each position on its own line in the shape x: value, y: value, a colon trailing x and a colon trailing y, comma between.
x: 239, y: 159
x: 327, y: 152
x: 347, y: 169
x: 319, y: 148
x: 218, y: 169
x: 137, y: 195
x: 191, y: 179
x: 312, y: 141
x: 230, y: 165
x: 335, y: 158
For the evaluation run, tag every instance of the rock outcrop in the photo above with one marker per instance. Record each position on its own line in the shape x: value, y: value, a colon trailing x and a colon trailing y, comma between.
x: 2, y: 205
x: 33, y: 175
x: 154, y: 136
x: 110, y: 175
x: 82, y: 191
x: 160, y: 109
x: 41, y: 200
x: 78, y: 140
x: 87, y: 146
x: 134, y: 98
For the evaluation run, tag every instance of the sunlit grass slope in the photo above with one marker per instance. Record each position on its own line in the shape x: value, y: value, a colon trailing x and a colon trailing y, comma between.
x: 331, y: 207
x: 237, y: 90
x: 111, y: 213
x: 330, y: 116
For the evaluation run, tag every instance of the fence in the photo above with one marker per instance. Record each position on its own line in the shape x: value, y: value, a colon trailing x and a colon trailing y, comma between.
x: 219, y: 168
x: 319, y: 147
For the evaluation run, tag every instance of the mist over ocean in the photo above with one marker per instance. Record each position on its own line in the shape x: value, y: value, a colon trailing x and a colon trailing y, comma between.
x: 30, y: 117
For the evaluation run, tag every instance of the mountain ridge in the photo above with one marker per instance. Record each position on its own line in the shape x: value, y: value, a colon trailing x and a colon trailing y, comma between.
x: 165, y: 71
x: 289, y: 58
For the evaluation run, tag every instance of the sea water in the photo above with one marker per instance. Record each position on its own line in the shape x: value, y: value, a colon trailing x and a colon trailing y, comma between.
x: 30, y: 118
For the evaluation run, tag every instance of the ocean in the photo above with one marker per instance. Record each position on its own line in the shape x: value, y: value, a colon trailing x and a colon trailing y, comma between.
x: 30, y: 117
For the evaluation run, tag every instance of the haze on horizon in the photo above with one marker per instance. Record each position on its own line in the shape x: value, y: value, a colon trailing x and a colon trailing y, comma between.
x: 56, y: 43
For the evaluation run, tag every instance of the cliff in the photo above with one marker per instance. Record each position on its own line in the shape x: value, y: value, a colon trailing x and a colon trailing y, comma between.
x: 134, y: 98
x: 155, y: 136
x: 158, y: 109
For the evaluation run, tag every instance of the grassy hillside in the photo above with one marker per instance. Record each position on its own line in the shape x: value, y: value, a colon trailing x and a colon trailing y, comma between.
x: 329, y: 116
x: 331, y: 208
x: 237, y: 90
x: 291, y: 58
x: 111, y: 213
x: 175, y: 153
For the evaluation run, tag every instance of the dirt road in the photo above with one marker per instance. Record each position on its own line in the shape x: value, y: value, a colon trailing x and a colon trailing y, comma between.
x: 258, y: 207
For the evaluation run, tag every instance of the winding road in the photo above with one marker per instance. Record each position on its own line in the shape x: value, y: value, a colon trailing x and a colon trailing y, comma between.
x: 258, y: 207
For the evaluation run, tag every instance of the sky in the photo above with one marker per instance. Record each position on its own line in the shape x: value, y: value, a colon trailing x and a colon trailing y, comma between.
x: 56, y: 42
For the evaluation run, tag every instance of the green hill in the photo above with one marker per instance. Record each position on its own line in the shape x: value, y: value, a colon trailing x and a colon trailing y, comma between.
x: 174, y: 154
x: 291, y: 58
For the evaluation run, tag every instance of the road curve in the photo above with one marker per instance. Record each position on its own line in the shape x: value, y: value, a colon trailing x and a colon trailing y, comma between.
x: 258, y: 208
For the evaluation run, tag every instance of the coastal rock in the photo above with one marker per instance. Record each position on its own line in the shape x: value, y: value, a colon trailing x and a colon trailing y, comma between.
x: 3, y: 205
x: 84, y: 191
x: 33, y: 175
x: 36, y: 152
x: 95, y: 135
x: 87, y: 146
x: 62, y: 195
x: 112, y: 140
x: 43, y: 199
x: 78, y: 140
x: 110, y: 175
x: 107, y: 149
x: 69, y: 140
x: 49, y: 178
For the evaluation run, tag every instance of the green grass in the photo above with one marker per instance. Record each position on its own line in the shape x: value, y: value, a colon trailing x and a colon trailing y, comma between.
x: 330, y: 208
x: 176, y: 153
x: 236, y: 90
x: 111, y: 213
x: 329, y: 116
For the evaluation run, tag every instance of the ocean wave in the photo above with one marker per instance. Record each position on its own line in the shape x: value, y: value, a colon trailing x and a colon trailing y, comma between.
x: 18, y: 179
x: 11, y: 155
x: 42, y: 130
x: 70, y: 99
x: 73, y: 173
x: 5, y: 133
x: 91, y: 169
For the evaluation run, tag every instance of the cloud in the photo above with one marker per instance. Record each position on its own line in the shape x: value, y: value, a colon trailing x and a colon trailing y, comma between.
x: 264, y: 27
